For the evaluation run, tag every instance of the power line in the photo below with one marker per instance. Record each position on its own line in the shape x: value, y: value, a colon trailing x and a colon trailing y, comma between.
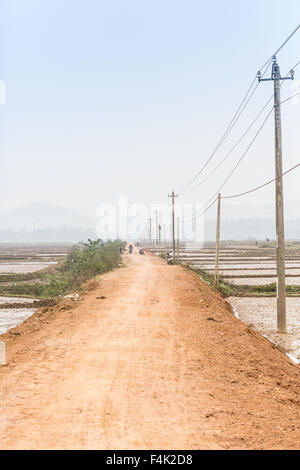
x: 242, y: 194
x: 197, y: 216
x: 290, y: 98
x: 237, y: 114
x: 233, y: 148
x: 296, y: 65
x: 238, y: 195
x: 236, y: 165
x: 243, y: 156
x: 241, y: 138
x: 262, y: 185
x: 282, y: 45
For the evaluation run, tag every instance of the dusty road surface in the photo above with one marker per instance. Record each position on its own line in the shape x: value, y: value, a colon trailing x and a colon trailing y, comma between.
x: 149, y: 359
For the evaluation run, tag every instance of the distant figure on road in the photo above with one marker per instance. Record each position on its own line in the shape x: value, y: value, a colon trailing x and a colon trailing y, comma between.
x: 130, y: 248
x: 141, y: 250
x: 121, y: 251
x: 169, y: 259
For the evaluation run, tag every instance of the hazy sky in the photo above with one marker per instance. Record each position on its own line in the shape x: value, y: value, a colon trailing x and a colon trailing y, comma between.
x: 109, y: 98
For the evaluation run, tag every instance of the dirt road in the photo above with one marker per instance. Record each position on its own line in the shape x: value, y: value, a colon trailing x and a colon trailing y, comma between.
x: 159, y: 362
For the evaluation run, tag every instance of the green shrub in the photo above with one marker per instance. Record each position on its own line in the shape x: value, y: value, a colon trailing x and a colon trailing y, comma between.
x: 83, y: 262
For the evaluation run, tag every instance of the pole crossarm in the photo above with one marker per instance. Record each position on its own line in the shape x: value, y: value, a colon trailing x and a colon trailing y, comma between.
x: 275, y: 73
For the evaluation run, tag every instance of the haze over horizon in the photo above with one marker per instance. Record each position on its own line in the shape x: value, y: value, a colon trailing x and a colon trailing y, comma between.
x: 48, y: 223
x: 110, y: 99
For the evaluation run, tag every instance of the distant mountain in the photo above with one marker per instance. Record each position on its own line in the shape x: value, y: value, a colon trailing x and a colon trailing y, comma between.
x: 37, y: 216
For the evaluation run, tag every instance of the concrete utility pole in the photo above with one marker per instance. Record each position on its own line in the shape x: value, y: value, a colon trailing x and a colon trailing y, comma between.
x: 156, y: 223
x: 159, y: 237
x: 164, y: 237
x: 177, y: 238
x: 216, y: 276
x: 150, y: 233
x: 281, y: 300
x: 173, y: 195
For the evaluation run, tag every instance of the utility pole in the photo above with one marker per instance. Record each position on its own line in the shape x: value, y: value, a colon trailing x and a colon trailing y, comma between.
x: 156, y: 223
x: 150, y: 235
x: 216, y: 276
x: 159, y: 237
x: 164, y: 237
x: 281, y: 300
x: 173, y: 222
x: 177, y: 238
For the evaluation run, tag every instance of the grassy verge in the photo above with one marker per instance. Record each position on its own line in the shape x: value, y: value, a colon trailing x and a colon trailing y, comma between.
x: 21, y: 277
x: 82, y: 263
x: 228, y: 289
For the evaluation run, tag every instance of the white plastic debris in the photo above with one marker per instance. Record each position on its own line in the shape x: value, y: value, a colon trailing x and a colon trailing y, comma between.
x: 235, y: 312
x: 293, y: 358
x: 72, y: 296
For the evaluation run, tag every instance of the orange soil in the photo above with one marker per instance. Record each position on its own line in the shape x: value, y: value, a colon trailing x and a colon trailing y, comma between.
x: 159, y: 363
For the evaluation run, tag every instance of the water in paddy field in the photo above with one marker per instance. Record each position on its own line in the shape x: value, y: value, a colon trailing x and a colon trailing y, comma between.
x: 14, y: 300
x: 25, y: 267
x: 242, y: 265
x: 27, y: 258
x: 261, y: 313
x: 9, y: 318
x: 259, y: 281
x: 21, y: 259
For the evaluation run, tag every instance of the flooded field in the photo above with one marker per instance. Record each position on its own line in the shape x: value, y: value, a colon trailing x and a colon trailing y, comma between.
x: 254, y: 265
x: 255, y: 272
x: 24, y: 267
x: 258, y: 281
x: 23, y: 259
x: 14, y: 300
x: 9, y: 318
x: 244, y: 266
x: 261, y: 314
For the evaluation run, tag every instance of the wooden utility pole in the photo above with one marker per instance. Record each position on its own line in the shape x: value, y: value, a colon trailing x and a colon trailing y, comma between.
x: 173, y: 222
x: 281, y: 296
x: 216, y: 276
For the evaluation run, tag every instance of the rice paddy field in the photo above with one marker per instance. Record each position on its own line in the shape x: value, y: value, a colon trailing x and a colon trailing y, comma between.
x: 248, y: 276
x: 19, y: 263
